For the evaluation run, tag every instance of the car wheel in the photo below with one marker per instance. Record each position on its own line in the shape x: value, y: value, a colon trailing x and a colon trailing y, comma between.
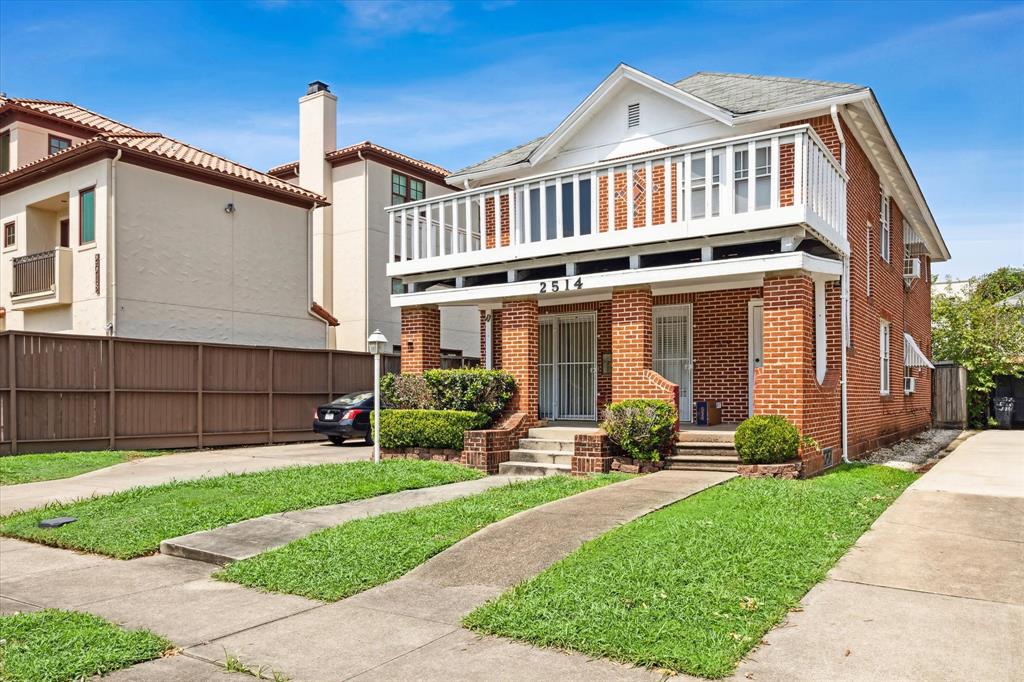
x: 337, y: 440
x: 368, y: 439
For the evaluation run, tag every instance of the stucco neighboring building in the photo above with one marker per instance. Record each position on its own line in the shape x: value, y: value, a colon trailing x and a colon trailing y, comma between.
x: 351, y: 234
x: 107, y: 229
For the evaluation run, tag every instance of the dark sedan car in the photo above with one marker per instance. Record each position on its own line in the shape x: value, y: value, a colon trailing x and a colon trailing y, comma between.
x: 345, y: 417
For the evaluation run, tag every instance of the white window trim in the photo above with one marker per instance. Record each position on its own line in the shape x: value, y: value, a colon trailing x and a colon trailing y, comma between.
x: 885, y: 225
x: 884, y: 356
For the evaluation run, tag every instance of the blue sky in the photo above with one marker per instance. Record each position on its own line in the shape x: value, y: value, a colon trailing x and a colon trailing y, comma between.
x: 453, y: 82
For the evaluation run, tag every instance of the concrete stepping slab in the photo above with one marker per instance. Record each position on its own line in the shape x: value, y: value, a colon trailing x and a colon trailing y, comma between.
x: 178, y: 668
x: 9, y: 606
x: 20, y: 558
x: 248, y: 538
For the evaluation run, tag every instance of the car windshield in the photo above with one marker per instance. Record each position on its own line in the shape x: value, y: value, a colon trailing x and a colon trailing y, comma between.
x: 352, y: 398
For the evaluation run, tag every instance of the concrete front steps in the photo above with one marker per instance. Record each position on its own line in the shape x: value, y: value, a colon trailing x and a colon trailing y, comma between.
x: 702, y: 449
x: 547, y: 451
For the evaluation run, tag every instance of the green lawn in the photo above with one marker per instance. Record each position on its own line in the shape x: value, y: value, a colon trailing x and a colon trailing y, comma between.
x: 53, y: 465
x: 693, y: 587
x: 355, y: 556
x: 57, y: 645
x: 134, y: 522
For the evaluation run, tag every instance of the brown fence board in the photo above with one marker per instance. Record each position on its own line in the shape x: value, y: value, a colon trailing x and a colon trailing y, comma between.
x: 75, y: 392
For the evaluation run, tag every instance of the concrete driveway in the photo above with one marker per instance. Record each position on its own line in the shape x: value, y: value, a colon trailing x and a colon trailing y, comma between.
x: 180, y: 466
x: 934, y: 591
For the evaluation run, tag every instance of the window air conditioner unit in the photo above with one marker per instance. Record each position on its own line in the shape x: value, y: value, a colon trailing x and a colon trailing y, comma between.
x: 911, y: 270
x: 909, y: 385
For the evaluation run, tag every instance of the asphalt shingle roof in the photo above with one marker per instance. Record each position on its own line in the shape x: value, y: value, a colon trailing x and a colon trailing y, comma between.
x: 734, y: 92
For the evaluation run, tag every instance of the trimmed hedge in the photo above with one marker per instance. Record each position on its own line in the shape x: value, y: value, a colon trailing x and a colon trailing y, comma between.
x: 428, y: 428
x: 768, y: 439
x: 474, y: 390
x: 643, y: 429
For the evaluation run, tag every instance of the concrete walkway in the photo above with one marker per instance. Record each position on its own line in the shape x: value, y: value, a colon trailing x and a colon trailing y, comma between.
x: 934, y: 591
x: 408, y: 628
x: 184, y: 466
x: 248, y: 538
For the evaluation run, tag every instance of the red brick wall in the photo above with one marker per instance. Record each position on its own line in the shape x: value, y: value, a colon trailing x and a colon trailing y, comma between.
x: 421, y: 339
x: 632, y: 342
x: 721, y: 350
x: 875, y: 419
x: 520, y: 353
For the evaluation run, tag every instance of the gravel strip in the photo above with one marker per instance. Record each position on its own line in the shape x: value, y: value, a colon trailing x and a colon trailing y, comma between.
x: 915, y: 450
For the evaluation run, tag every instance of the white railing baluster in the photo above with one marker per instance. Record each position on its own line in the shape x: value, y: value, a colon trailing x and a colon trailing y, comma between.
x: 497, y: 221
x: 527, y: 215
x: 428, y: 215
x: 680, y: 184
x: 464, y: 243
x: 391, y: 236
x: 629, y: 196
x: 688, y: 191
x: 558, y: 208
x: 798, y: 162
x: 543, y: 192
x: 456, y: 219
x: 481, y: 207
x: 513, y: 217
x: 575, y: 205
x: 751, y: 176
x: 648, y: 193
x: 727, y: 200
x: 611, y: 199
x: 404, y: 233
x: 416, y: 233
x: 709, y: 177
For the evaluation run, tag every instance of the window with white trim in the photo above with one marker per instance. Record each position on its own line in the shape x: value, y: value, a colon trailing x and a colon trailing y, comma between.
x: 883, y: 355
x: 867, y: 262
x: 884, y: 222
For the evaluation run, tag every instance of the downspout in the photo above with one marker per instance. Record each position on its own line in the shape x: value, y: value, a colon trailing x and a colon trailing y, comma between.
x: 844, y: 333
x: 112, y: 243
x: 366, y: 250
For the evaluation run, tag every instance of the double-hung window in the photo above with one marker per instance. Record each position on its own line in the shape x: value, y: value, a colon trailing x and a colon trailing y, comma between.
x: 884, y: 221
x: 883, y: 354
x: 9, y: 234
x: 87, y: 216
x: 405, y: 188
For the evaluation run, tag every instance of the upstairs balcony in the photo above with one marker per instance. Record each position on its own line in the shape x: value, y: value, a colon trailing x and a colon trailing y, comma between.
x: 42, y: 279
x: 781, y: 178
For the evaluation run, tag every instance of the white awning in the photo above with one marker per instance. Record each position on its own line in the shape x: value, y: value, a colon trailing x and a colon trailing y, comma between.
x: 912, y: 355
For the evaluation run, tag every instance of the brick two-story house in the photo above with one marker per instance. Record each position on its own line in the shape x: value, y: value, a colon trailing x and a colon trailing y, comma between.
x: 758, y: 243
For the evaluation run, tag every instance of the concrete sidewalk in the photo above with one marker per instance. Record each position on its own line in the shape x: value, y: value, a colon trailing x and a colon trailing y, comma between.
x: 408, y: 628
x: 184, y: 466
x: 934, y: 591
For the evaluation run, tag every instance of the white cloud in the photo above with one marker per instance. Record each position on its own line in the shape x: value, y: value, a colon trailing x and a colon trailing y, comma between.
x: 395, y: 17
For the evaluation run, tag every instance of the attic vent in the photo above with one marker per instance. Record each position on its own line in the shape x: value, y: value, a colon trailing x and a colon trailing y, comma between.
x: 633, y: 115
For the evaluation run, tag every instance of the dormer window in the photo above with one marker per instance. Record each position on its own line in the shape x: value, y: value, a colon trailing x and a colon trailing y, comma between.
x: 633, y: 115
x: 58, y: 144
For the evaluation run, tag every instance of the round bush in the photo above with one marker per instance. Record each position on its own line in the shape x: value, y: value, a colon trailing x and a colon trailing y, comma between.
x: 767, y: 439
x: 643, y: 429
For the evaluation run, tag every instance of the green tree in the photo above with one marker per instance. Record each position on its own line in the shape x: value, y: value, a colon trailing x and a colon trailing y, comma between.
x: 979, y: 331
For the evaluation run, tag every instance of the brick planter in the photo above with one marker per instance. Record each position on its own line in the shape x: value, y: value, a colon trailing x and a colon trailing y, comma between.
x: 628, y: 465
x: 785, y: 470
x: 435, y: 454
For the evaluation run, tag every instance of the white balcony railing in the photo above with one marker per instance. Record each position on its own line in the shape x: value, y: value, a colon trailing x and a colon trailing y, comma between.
x: 778, y: 178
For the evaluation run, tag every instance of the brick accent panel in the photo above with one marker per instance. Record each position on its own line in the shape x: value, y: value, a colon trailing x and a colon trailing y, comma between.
x: 592, y: 454
x: 421, y: 339
x: 520, y: 353
x: 632, y: 342
x: 876, y: 420
x: 786, y: 384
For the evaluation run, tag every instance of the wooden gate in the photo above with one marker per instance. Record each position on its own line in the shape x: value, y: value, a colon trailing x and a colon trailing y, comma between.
x: 949, y: 396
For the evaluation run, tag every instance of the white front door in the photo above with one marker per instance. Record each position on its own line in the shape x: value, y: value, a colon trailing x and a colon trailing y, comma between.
x: 755, y: 345
x: 568, y: 367
x: 673, y: 352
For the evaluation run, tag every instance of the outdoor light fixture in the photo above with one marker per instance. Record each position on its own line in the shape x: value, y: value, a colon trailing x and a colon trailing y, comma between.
x: 377, y: 344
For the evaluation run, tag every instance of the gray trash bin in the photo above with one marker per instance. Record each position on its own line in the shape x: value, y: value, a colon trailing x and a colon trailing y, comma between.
x: 1004, y: 411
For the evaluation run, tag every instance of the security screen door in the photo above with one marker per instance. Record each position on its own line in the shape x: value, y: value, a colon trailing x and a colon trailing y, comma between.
x: 673, y: 352
x: 568, y: 367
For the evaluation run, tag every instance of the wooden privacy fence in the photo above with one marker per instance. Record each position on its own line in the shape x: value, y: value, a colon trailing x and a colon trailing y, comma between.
x: 949, y: 396
x: 70, y: 392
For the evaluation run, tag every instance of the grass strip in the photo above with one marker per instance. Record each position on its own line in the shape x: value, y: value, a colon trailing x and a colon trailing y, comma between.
x: 51, y: 466
x: 58, y: 645
x: 134, y: 522
x: 693, y: 587
x: 355, y: 556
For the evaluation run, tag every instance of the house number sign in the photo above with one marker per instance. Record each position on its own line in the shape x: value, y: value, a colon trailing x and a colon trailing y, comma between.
x: 567, y: 284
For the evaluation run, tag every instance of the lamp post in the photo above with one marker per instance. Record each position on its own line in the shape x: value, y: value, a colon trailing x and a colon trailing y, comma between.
x: 377, y: 343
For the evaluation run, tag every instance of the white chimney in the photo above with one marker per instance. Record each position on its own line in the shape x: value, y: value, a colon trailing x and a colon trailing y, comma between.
x: 318, y: 126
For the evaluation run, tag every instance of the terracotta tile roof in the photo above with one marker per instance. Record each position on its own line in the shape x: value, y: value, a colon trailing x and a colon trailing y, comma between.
x: 114, y: 134
x: 70, y: 113
x: 365, y: 146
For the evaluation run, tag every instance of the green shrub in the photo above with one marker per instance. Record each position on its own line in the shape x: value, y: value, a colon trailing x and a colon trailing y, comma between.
x: 427, y: 428
x: 475, y: 390
x: 406, y: 392
x: 768, y: 439
x: 643, y: 429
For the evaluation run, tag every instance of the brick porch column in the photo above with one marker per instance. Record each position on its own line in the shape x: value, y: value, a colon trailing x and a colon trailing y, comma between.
x: 786, y: 385
x: 520, y: 353
x: 421, y: 339
x: 632, y: 342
